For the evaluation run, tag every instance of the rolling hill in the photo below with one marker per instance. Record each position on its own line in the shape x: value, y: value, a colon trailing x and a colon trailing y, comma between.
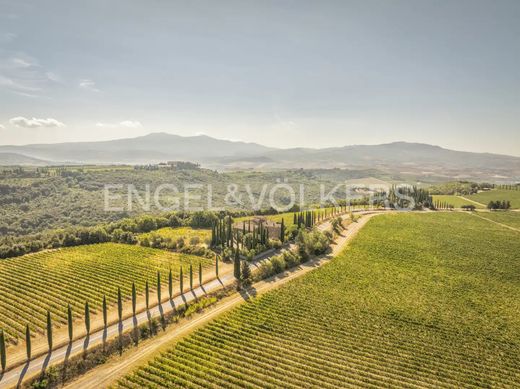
x: 398, y: 157
x: 20, y: 159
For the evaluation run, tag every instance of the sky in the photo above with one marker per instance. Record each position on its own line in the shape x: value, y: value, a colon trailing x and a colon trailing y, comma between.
x: 276, y: 72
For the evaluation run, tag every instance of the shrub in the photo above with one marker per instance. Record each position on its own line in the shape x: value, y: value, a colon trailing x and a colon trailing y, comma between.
x: 194, y: 240
x: 265, y: 270
x: 278, y: 263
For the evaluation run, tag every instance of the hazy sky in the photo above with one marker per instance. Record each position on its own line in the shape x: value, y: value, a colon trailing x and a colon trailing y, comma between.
x: 280, y: 73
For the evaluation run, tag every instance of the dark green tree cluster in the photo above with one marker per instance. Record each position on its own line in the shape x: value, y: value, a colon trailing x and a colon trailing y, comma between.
x: 123, y: 231
x: 304, y: 219
x: 222, y: 232
x: 494, y: 205
x: 405, y: 197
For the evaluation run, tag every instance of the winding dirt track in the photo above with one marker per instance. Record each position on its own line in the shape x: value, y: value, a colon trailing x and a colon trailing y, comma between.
x: 107, y: 374
x: 494, y: 221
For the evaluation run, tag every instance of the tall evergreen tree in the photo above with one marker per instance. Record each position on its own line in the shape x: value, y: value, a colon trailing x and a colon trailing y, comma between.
x: 147, y: 294
x: 181, y: 282
x: 69, y: 323
x: 3, y: 355
x: 200, y: 273
x: 87, y: 317
x: 134, y: 298
x: 282, y: 231
x: 159, y: 288
x: 49, y: 330
x: 119, y: 305
x: 191, y: 277
x: 236, y: 269
x: 216, y: 265
x: 28, y: 342
x: 105, y: 311
x: 230, y: 229
x: 170, y: 284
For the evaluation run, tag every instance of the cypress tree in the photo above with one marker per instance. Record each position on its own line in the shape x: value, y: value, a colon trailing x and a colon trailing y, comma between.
x: 87, y: 318
x: 191, y: 277
x: 294, y: 218
x: 282, y: 231
x: 236, y: 269
x: 28, y: 341
x: 230, y: 229
x: 170, y: 284
x: 105, y: 314
x: 49, y: 330
x: 216, y: 265
x: 3, y: 356
x: 147, y: 294
x: 119, y: 305
x: 200, y: 273
x: 134, y: 298
x: 159, y: 288
x: 69, y: 322
x: 181, y: 281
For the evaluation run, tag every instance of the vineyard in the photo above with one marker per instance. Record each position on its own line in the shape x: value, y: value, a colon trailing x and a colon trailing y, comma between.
x: 498, y: 194
x: 509, y: 218
x: 51, y: 280
x: 433, y: 303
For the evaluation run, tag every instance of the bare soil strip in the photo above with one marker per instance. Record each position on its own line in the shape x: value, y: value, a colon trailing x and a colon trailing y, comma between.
x: 493, y: 221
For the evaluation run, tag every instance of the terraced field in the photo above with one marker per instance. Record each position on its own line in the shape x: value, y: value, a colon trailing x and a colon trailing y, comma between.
x: 429, y: 300
x: 34, y: 283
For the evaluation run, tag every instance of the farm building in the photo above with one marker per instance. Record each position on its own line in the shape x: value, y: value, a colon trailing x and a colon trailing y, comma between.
x: 273, y: 228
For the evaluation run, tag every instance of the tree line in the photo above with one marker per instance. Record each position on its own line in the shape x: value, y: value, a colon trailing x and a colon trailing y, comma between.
x: 104, y: 309
x: 494, y: 205
x: 309, y: 242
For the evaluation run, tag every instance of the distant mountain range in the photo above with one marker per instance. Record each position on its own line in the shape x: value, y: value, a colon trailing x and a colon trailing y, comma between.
x: 398, y: 157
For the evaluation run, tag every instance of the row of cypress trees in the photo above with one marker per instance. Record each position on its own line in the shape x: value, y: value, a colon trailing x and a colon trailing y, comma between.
x: 70, y: 318
x: 442, y: 205
x: 224, y: 235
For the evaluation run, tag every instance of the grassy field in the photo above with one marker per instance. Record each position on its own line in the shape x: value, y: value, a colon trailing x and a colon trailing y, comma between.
x: 184, y: 233
x: 456, y: 201
x: 498, y: 194
x: 509, y: 218
x: 34, y: 283
x: 417, y: 300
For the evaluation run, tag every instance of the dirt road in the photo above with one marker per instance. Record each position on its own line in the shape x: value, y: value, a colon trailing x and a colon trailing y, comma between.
x: 107, y: 374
